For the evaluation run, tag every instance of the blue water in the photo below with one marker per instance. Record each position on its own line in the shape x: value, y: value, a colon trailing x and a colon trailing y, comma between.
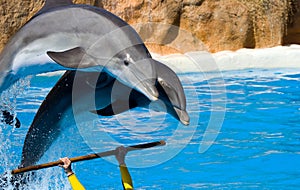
x: 244, y: 134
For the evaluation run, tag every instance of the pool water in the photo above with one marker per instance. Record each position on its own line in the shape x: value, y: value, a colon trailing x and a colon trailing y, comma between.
x: 244, y: 134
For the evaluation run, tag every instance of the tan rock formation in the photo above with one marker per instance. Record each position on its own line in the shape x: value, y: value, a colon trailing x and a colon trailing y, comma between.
x: 219, y: 24
x: 169, y: 26
x: 293, y: 29
x: 270, y: 20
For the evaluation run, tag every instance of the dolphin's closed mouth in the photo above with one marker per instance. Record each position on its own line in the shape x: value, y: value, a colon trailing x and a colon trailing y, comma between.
x: 146, y: 86
x: 150, y: 91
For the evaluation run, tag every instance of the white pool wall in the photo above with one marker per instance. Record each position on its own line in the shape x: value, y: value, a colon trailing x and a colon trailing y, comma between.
x: 280, y: 57
x: 266, y: 58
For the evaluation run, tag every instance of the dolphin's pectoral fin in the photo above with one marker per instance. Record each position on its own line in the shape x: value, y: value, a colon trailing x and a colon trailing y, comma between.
x: 8, y: 118
x: 74, y: 58
x: 115, y: 108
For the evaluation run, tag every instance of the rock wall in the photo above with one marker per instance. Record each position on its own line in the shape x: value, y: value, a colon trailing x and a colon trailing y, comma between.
x: 169, y: 26
x: 293, y: 30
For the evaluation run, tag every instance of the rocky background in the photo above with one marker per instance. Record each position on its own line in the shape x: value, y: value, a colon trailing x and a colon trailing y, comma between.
x: 186, y: 25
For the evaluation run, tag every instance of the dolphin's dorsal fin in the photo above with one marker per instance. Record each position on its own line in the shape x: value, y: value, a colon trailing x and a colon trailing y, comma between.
x: 49, y: 4
x: 73, y: 58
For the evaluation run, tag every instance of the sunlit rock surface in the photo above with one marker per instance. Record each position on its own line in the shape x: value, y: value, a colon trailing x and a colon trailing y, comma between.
x: 186, y: 25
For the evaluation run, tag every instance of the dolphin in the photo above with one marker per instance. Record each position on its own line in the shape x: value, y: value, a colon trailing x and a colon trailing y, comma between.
x: 66, y: 36
x: 56, y: 112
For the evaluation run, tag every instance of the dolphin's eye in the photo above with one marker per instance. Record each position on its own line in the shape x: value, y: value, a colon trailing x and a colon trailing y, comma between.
x: 126, y: 62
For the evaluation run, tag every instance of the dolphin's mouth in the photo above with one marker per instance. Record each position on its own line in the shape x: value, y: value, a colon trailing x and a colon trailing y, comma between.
x: 146, y: 87
x: 148, y: 90
x: 140, y: 76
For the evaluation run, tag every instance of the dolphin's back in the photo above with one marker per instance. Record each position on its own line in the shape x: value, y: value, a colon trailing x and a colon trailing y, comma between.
x: 67, y: 27
x: 77, y: 7
x: 76, y: 20
x: 100, y: 33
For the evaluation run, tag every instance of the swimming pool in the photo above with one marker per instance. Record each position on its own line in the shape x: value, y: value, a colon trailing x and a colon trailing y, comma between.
x: 244, y: 134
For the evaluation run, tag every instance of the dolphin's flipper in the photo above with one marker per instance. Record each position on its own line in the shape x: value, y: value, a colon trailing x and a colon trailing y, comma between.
x: 73, y: 58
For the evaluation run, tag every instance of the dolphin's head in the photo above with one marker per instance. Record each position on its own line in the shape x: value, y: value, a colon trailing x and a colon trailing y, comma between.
x: 171, y: 102
x: 171, y: 92
x: 134, y: 67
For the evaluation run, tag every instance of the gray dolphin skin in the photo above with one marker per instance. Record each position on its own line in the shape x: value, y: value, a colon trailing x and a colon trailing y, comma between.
x: 56, y: 112
x: 66, y: 36
x: 91, y: 43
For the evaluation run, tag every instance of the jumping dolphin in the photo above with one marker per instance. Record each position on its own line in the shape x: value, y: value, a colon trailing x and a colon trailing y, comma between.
x: 56, y: 112
x: 65, y: 36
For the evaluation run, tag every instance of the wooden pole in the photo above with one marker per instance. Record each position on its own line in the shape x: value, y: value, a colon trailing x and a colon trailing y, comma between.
x: 87, y: 157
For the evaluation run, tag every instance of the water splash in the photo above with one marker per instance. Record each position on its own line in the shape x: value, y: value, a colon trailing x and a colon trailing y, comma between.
x: 8, y: 98
x: 8, y: 102
x: 9, y: 158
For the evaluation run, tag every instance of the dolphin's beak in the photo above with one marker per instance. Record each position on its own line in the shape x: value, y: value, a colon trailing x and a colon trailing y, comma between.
x: 140, y: 76
x: 172, y: 92
x: 146, y: 74
x: 147, y: 88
